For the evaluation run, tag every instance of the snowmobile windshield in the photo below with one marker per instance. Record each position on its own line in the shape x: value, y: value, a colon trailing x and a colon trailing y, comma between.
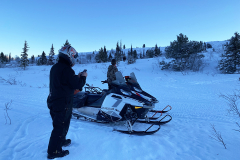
x: 133, y: 80
x: 120, y: 81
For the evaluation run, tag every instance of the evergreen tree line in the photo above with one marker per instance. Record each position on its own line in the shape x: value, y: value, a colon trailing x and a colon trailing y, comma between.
x: 40, y: 60
x: 106, y: 56
x: 4, y: 58
x: 185, y: 54
x: 101, y: 56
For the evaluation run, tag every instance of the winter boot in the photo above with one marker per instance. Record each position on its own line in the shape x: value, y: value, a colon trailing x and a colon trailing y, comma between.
x: 58, y: 154
x: 66, y: 142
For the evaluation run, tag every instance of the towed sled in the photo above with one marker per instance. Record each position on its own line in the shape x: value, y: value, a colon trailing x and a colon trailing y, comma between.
x: 125, y: 102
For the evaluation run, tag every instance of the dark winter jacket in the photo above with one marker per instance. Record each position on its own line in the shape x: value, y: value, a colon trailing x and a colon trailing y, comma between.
x: 63, y: 82
x: 111, y: 73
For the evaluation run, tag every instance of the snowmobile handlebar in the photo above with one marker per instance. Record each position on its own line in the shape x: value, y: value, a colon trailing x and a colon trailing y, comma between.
x: 92, y: 89
x: 104, y: 81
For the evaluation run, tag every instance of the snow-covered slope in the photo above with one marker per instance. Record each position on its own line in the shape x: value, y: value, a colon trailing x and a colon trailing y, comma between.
x: 194, y: 97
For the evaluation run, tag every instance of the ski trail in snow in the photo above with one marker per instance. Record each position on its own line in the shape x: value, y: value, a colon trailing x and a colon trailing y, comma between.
x: 16, y: 138
x: 20, y: 140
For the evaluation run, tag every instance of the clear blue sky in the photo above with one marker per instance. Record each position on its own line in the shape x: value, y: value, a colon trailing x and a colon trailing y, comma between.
x: 92, y: 24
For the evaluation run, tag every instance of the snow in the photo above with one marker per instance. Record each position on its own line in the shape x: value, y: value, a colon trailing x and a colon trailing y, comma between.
x: 194, y: 97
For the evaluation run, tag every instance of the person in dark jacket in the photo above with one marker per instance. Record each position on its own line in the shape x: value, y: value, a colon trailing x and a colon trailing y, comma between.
x: 112, y: 69
x: 63, y: 82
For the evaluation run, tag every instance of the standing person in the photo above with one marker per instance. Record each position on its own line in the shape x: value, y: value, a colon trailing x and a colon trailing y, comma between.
x: 112, y: 69
x: 63, y: 82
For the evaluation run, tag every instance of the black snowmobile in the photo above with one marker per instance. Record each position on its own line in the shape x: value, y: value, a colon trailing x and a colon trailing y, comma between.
x: 125, y: 102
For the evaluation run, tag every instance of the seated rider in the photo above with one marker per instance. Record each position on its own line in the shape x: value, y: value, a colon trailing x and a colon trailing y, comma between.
x: 112, y: 69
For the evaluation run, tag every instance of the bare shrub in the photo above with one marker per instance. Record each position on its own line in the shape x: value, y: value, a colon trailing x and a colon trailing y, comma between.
x: 22, y: 84
x: 217, y: 136
x: 238, y: 127
x: 11, y: 80
x: 136, y: 69
x: 7, y: 107
x: 232, y: 103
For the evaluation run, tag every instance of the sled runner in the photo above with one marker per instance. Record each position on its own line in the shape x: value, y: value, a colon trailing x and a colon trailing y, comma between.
x: 126, y: 101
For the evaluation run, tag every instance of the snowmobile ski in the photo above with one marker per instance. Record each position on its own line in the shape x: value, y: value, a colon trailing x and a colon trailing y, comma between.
x: 133, y: 132
x: 160, y: 122
x: 153, y: 117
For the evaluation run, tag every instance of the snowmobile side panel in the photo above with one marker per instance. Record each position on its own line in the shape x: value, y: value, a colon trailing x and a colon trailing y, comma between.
x: 89, y: 111
x: 98, y: 100
x: 110, y: 117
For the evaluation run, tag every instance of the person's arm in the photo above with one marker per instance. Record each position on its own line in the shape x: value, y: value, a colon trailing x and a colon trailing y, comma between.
x: 75, y: 81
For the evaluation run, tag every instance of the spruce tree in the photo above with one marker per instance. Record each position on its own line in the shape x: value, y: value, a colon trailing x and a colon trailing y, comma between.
x: 135, y: 56
x: 43, y: 58
x: 105, y: 56
x: 150, y: 53
x: 110, y: 57
x: 97, y: 58
x: 118, y: 53
x: 230, y: 61
x: 51, y: 56
x: 9, y: 58
x: 66, y: 43
x: 204, y: 46
x: 185, y: 53
x: 124, y: 57
x: 209, y: 45
x: 6, y: 58
x: 157, y: 51
x: 178, y: 49
x: 132, y: 56
x: 143, y: 54
x: 120, y: 47
x: 1, y: 57
x: 24, y: 57
x: 32, y: 59
x: 102, y: 55
x: 140, y: 56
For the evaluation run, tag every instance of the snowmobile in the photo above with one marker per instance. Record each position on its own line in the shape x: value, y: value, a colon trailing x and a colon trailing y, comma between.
x: 126, y: 101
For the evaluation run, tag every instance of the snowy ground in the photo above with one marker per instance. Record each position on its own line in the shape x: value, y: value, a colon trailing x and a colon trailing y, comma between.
x: 194, y: 97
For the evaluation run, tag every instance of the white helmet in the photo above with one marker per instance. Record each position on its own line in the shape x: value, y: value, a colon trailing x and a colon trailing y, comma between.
x: 69, y: 53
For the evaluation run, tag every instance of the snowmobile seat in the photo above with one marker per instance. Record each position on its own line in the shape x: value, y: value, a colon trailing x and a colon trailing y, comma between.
x: 92, y: 98
x: 105, y: 90
x: 95, y: 100
x: 79, y: 99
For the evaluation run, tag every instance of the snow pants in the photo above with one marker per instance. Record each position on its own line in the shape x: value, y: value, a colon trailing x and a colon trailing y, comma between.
x: 61, y: 113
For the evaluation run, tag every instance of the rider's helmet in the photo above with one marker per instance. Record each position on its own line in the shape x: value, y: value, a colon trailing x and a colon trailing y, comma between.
x: 68, y: 53
x: 113, y: 61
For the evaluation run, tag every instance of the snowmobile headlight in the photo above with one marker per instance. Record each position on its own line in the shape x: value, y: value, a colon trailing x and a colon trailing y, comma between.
x: 125, y: 92
x: 137, y: 89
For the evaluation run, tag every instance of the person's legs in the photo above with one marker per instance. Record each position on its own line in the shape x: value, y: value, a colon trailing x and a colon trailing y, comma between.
x: 57, y: 132
x: 67, y: 120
